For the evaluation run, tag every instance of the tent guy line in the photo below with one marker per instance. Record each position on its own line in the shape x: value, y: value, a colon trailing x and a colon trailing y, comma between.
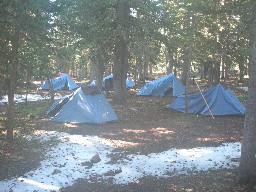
x: 205, y: 100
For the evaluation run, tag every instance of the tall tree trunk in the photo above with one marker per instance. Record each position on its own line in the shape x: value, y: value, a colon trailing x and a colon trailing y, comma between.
x: 100, y: 62
x: 139, y: 68
x: 145, y: 66
x: 121, y: 53
x: 169, y: 61
x: 82, y: 73
x: 223, y: 67
x: 241, y: 69
x: 188, y: 57
x: 187, y: 72
x: 12, y: 83
x: 227, y: 68
x: 120, y: 72
x: 187, y: 80
x: 210, y: 74
x: 51, y: 89
x: 247, y: 165
x: 217, y: 72
x: 93, y: 69
x: 28, y: 80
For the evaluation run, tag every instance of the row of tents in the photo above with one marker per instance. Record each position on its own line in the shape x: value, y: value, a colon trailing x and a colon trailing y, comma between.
x: 84, y: 105
x: 215, y: 101
x: 108, y: 81
x: 89, y: 105
x: 65, y: 82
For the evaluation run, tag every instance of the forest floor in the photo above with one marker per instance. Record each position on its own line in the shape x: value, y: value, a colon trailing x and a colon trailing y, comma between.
x: 145, y: 121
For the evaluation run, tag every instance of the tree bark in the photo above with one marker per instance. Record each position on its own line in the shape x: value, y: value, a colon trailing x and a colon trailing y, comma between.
x: 241, y: 70
x: 145, y: 66
x: 121, y: 53
x: 83, y: 69
x: 51, y: 89
x: 93, y: 68
x: 247, y: 165
x: 12, y: 84
x: 217, y: 72
x: 139, y: 68
x: 187, y: 76
x: 227, y: 68
x: 120, y: 72
x: 100, y: 63
x: 169, y: 61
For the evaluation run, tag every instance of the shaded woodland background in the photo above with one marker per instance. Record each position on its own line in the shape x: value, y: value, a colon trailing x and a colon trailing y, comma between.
x: 206, y: 40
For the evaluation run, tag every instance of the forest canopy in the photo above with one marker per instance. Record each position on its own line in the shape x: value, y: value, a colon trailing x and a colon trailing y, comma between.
x: 89, y: 39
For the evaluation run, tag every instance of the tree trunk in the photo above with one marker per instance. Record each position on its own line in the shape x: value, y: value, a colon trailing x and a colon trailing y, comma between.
x: 247, y: 165
x: 28, y: 80
x: 210, y: 75
x: 139, y: 68
x: 241, y: 70
x: 12, y: 84
x: 145, y: 66
x: 187, y: 73
x: 187, y: 82
x: 82, y: 73
x: 223, y: 67
x: 184, y: 72
x: 217, y: 72
x: 121, y: 53
x: 51, y: 89
x: 169, y: 61
x: 93, y: 69
x: 120, y: 72
x: 100, y: 63
x: 227, y: 69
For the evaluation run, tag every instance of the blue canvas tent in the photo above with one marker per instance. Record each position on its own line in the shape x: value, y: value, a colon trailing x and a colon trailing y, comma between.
x: 160, y: 87
x: 214, y: 101
x: 85, y: 105
x: 63, y: 82
x: 129, y: 83
x: 107, y: 82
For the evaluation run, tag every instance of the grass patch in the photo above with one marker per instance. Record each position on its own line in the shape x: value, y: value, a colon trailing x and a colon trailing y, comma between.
x: 31, y: 108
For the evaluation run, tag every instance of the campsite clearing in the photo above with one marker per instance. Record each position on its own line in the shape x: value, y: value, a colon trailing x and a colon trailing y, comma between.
x: 145, y: 126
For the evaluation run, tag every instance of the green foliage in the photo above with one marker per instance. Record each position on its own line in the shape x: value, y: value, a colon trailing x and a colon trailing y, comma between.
x: 55, y: 34
x: 243, y: 99
x: 31, y: 19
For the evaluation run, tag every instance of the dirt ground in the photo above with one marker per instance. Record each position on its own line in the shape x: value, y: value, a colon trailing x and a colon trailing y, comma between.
x: 148, y: 126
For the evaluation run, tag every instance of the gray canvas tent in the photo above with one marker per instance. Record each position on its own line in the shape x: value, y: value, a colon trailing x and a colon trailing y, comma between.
x: 85, y: 105
x: 214, y: 101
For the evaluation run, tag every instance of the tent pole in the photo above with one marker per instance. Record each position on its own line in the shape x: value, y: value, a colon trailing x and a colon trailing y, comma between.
x: 204, y: 99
